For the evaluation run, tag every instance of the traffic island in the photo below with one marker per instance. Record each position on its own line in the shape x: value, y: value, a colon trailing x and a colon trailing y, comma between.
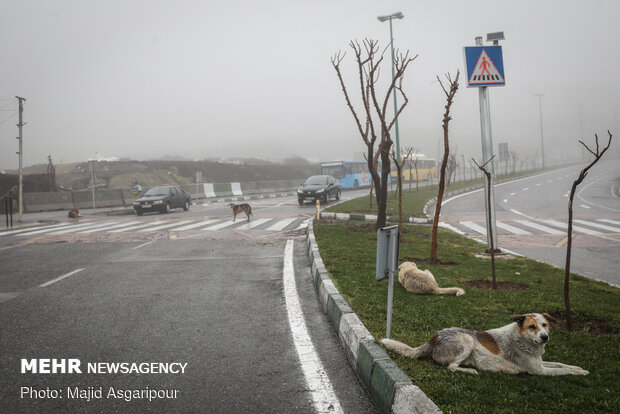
x: 390, y: 388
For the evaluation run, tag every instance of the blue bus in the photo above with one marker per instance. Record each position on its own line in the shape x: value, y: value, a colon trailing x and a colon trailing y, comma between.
x: 350, y: 174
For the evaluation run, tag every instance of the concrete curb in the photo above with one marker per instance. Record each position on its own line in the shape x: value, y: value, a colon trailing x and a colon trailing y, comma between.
x: 390, y: 388
x: 370, y: 217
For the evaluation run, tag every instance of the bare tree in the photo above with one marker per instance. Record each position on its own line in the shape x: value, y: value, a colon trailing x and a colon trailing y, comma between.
x: 488, y: 181
x: 368, y: 61
x: 597, y: 156
x: 454, y: 86
x: 399, y: 168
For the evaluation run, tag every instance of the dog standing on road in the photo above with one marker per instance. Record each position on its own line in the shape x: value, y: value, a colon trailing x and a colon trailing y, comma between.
x: 237, y: 208
x: 422, y: 281
x: 515, y: 348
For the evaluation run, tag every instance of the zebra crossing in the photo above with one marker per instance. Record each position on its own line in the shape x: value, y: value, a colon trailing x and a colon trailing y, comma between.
x: 592, y: 227
x: 116, y: 227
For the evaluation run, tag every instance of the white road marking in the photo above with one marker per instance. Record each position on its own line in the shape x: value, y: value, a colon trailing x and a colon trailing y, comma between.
x: 61, y: 277
x: 164, y: 226
x: 451, y: 227
x: 526, y: 188
x: 23, y: 230
x: 475, y: 227
x: 512, y: 229
x: 220, y: 225
x: 610, y: 221
x: 113, y: 226
x: 522, y: 214
x: 511, y: 194
x: 303, y: 225
x: 194, y: 225
x: 319, y: 386
x: 253, y: 223
x: 598, y: 226
x: 78, y: 229
x: 143, y: 244
x: 280, y: 225
x: 540, y: 227
x: 45, y: 230
x: 140, y: 226
x: 584, y: 206
x: 577, y: 229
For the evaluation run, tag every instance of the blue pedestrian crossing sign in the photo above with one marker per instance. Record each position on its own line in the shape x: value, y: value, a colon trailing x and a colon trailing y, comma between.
x: 485, y: 66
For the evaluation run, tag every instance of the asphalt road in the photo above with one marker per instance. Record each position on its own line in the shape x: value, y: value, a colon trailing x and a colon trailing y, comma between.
x: 533, y: 215
x: 210, y: 298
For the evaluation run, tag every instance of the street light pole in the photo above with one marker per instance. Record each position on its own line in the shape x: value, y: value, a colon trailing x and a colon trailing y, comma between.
x: 542, y: 142
x: 21, y: 158
x: 397, y: 15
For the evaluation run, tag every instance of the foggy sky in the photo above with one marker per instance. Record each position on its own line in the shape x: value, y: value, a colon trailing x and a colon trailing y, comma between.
x: 148, y: 78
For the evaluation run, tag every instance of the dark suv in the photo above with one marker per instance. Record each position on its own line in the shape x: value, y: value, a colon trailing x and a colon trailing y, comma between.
x: 162, y: 199
x: 319, y: 187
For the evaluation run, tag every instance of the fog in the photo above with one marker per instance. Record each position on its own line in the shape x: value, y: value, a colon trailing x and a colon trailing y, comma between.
x: 200, y: 79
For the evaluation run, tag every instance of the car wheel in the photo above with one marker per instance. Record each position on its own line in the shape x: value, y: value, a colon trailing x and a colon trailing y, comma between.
x: 300, y: 201
x: 167, y: 208
x: 139, y: 212
x: 186, y: 206
x: 325, y: 198
x: 338, y: 196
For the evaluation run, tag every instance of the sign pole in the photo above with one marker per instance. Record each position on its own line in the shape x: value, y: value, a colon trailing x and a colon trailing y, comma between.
x: 487, y: 154
x: 387, y: 265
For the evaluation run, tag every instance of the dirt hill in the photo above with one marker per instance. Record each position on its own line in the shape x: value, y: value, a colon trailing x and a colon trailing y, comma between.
x: 122, y: 174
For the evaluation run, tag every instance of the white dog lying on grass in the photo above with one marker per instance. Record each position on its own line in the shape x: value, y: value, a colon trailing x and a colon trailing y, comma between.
x: 515, y: 348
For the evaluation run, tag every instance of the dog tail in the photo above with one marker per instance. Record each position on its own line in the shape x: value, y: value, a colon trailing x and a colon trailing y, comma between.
x: 405, y: 350
x: 449, y: 291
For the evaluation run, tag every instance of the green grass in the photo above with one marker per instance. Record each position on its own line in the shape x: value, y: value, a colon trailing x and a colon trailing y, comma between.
x: 349, y: 251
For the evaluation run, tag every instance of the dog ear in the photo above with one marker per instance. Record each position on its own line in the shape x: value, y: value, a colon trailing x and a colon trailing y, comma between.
x: 518, y: 319
x: 548, y: 317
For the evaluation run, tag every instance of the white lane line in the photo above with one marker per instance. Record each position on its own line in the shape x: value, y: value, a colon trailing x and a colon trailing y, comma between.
x: 525, y: 188
x: 113, y: 226
x: 49, y: 282
x: 610, y: 221
x: 220, y: 225
x: 143, y: 244
x: 590, y: 202
x: 473, y: 226
x: 194, y: 225
x: 540, y: 227
x: 511, y: 229
x: 140, y: 226
x: 511, y: 194
x: 9, y: 232
x: 253, y: 223
x: 505, y: 200
x: 165, y: 226
x: 319, y: 386
x: 280, y: 225
x: 598, y: 226
x: 451, y: 227
x: 584, y: 206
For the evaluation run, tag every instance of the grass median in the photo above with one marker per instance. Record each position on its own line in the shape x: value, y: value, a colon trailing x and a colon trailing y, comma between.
x: 349, y: 251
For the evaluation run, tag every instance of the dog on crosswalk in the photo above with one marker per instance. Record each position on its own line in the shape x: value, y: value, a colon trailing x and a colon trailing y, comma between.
x: 422, y: 282
x: 238, y: 208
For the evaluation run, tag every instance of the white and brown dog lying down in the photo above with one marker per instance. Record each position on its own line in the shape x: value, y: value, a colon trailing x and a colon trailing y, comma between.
x: 422, y: 281
x: 515, y: 348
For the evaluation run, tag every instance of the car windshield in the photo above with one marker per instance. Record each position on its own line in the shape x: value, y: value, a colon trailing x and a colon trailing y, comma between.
x: 158, y: 191
x: 316, y: 179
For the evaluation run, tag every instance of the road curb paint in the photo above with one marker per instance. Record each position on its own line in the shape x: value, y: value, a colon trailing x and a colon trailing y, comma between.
x: 390, y: 388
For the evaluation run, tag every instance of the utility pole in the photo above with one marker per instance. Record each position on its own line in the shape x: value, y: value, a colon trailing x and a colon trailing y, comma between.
x: 542, y: 142
x: 21, y: 157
